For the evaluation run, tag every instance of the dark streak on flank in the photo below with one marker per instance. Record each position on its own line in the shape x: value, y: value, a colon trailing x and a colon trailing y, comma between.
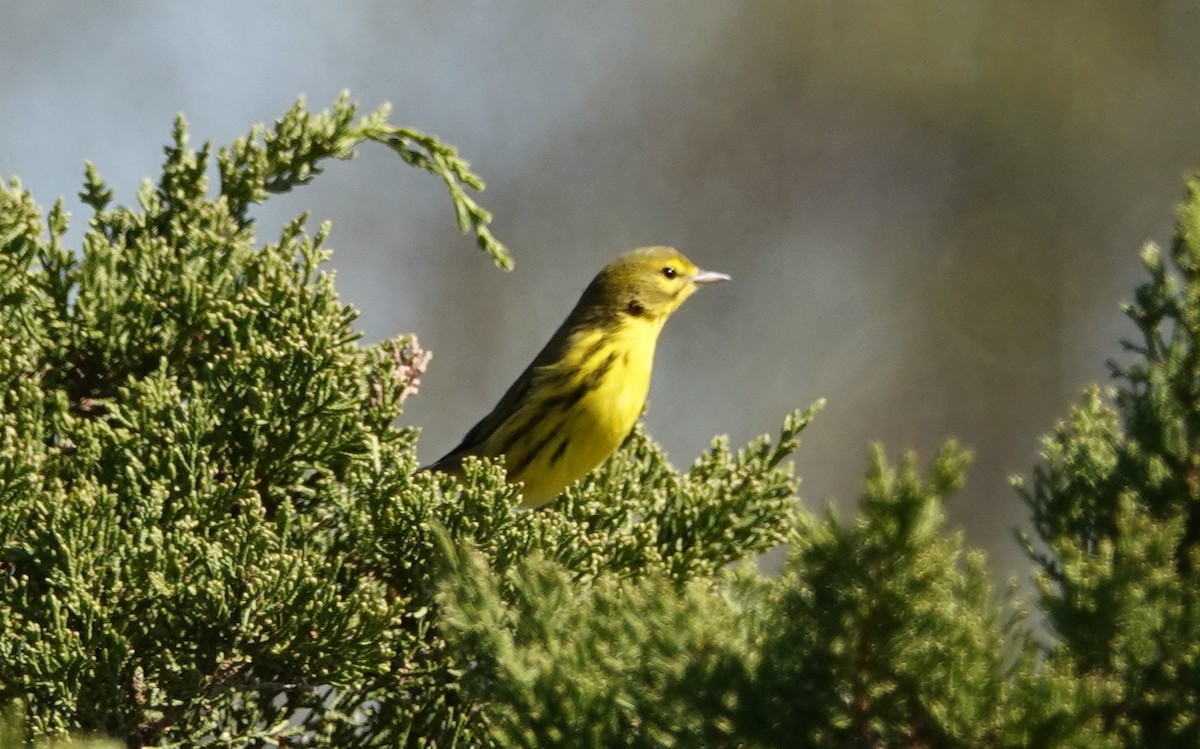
x: 553, y: 382
x: 513, y: 435
x: 559, y: 451
x: 592, y: 381
x: 517, y: 432
x: 522, y: 462
x: 565, y: 401
x: 488, y: 425
x: 593, y: 350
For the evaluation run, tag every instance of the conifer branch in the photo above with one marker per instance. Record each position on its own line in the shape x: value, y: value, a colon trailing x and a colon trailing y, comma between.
x: 290, y: 153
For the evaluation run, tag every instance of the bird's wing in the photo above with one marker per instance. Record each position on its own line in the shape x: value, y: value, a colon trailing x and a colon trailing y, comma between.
x: 515, y: 399
x: 510, y: 403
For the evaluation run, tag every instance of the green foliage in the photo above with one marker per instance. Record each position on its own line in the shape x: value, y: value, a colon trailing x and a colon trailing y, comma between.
x: 1117, y: 504
x: 287, y: 156
x: 635, y: 662
x: 179, y: 424
x: 212, y: 533
x: 12, y: 735
x: 895, y: 637
x: 881, y: 633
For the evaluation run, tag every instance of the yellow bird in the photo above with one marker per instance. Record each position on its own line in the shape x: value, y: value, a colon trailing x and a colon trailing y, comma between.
x: 579, y: 399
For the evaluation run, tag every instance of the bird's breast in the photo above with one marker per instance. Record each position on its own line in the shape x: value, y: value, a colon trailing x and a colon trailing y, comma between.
x: 592, y: 398
x: 616, y: 374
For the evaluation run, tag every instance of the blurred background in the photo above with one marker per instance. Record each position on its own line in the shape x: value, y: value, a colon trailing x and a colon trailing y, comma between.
x: 931, y: 210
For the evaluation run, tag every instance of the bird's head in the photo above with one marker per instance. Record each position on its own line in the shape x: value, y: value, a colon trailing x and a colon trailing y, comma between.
x: 647, y: 283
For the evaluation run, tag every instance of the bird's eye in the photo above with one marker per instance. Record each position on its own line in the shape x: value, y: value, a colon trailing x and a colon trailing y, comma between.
x: 669, y: 272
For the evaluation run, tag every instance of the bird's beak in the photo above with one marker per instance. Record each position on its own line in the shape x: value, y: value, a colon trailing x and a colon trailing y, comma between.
x: 709, y: 276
